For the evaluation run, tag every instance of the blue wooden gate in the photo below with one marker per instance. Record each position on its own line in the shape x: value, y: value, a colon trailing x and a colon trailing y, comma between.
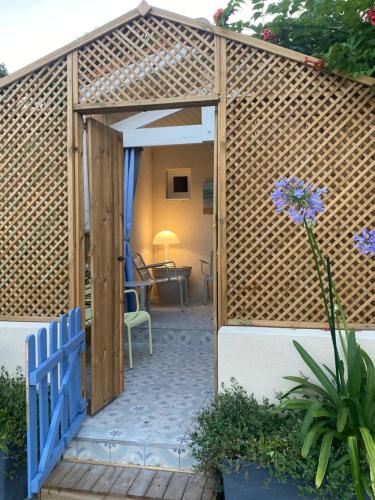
x: 55, y: 407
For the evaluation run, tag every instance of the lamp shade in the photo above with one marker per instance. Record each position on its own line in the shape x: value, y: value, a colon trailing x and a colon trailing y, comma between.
x: 166, y: 238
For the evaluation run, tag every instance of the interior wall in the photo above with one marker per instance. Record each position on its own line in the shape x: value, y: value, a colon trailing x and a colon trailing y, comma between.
x: 153, y: 212
x: 184, y: 217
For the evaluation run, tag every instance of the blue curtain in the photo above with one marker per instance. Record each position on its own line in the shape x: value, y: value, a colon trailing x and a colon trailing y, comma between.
x: 131, y: 168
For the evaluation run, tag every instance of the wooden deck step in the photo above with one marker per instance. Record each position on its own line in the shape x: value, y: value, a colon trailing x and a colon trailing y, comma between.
x: 82, y: 481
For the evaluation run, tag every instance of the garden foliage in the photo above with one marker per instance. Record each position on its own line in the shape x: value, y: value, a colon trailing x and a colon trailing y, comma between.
x: 339, y: 32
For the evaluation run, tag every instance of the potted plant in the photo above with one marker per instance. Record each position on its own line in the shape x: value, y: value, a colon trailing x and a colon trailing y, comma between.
x: 257, y: 451
x: 13, y: 470
x: 340, y: 406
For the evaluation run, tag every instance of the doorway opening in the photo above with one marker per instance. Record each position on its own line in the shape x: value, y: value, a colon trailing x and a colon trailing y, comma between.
x: 168, y: 188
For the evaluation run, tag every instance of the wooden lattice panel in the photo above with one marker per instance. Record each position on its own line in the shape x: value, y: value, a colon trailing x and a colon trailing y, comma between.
x: 284, y: 119
x: 147, y: 58
x: 34, y: 194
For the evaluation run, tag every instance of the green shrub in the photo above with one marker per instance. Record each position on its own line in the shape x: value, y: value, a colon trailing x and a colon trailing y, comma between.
x: 236, y: 427
x: 13, y: 418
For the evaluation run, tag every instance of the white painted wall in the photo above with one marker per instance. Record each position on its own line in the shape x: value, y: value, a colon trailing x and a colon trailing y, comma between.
x: 258, y: 358
x: 12, y: 342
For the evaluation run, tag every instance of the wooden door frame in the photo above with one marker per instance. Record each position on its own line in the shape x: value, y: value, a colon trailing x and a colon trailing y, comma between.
x: 76, y: 197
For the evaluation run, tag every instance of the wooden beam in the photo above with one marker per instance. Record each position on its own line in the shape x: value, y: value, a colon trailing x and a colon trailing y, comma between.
x: 71, y: 186
x: 143, y: 8
x: 143, y: 118
x: 221, y: 188
x: 24, y: 319
x: 165, y: 136
x: 148, y: 104
x: 294, y: 324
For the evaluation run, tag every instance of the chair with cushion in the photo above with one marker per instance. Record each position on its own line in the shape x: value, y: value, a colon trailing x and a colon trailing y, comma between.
x: 207, y: 270
x: 133, y: 319
x: 171, y: 276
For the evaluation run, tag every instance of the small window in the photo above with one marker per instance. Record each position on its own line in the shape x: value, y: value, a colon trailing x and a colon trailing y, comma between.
x: 178, y: 184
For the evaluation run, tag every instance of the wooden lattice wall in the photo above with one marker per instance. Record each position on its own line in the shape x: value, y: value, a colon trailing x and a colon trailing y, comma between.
x: 147, y: 58
x: 34, y: 196
x: 284, y: 119
x: 276, y: 117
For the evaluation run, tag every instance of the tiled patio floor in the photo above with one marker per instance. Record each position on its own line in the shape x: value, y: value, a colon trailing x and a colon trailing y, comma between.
x: 150, y: 422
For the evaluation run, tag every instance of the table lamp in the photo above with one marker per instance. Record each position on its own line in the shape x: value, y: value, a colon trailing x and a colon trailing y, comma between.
x: 166, y: 238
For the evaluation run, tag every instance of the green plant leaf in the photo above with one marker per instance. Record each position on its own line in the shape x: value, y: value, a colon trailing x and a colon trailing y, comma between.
x: 295, y: 404
x: 325, y: 451
x: 309, y: 385
x: 309, y: 418
x: 369, y: 397
x: 370, y: 450
x: 342, y: 417
x: 355, y: 466
x: 312, y: 436
x: 355, y: 367
x: 318, y: 372
x: 330, y: 371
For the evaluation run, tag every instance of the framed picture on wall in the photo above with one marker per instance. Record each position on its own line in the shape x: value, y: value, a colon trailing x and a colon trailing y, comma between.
x: 178, y: 182
x: 208, y: 197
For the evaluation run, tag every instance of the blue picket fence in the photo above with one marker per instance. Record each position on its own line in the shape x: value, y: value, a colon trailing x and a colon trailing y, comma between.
x: 55, y: 406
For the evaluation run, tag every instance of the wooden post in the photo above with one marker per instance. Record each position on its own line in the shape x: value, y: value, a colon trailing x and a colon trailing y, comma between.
x: 221, y: 188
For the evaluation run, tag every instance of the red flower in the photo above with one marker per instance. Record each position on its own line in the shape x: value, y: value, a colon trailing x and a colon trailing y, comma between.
x: 218, y: 14
x: 268, y: 36
x: 370, y: 16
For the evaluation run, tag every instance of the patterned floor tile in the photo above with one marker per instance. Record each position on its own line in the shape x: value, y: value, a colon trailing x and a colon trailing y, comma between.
x: 150, y: 422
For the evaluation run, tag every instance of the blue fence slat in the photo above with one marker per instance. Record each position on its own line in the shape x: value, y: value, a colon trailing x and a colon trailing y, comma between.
x: 77, y: 375
x: 63, y: 340
x: 32, y: 436
x: 56, y: 378
x: 43, y: 389
x: 72, y: 331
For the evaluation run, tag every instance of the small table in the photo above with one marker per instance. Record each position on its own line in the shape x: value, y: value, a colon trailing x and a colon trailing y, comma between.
x: 142, y: 286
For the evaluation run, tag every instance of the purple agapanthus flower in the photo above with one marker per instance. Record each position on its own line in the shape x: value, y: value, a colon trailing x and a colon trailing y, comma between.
x: 366, y: 241
x: 300, y: 199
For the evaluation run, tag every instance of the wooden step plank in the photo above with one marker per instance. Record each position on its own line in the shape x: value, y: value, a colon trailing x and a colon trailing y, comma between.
x: 58, y: 474
x: 56, y: 494
x: 194, y: 488
x: 159, y: 485
x: 109, y: 477
x: 74, y: 476
x: 176, y: 486
x: 141, y: 483
x: 94, y: 472
x: 123, y: 483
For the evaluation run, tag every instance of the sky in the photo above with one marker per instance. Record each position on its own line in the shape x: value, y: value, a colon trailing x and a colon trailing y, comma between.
x: 30, y: 29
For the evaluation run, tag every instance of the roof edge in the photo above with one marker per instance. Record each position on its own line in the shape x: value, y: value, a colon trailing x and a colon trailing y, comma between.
x: 144, y: 9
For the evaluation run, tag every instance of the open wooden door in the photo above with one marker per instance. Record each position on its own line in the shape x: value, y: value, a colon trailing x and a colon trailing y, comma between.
x: 105, y: 160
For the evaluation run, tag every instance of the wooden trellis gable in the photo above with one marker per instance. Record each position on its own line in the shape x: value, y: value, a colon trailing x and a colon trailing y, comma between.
x: 276, y: 117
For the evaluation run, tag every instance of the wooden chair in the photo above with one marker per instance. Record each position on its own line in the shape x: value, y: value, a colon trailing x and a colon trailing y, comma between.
x: 208, y: 275
x: 170, y: 276
x: 133, y: 319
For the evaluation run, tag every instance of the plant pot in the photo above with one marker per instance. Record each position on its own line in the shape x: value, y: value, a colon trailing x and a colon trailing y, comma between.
x: 248, y: 481
x: 15, y: 488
